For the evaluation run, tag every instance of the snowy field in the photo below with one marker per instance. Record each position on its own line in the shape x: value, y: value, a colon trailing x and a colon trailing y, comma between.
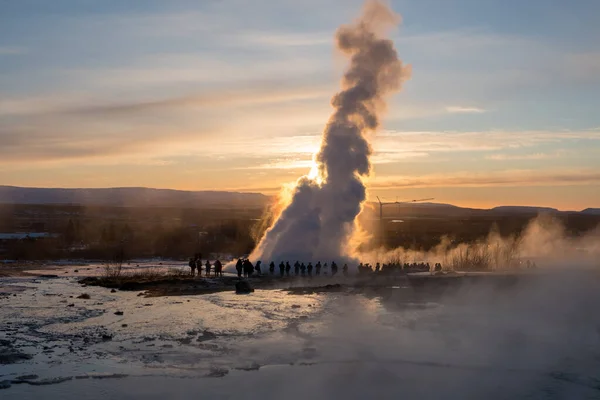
x: 540, y: 340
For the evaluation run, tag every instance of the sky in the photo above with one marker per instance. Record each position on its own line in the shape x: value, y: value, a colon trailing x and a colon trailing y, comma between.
x: 502, y: 107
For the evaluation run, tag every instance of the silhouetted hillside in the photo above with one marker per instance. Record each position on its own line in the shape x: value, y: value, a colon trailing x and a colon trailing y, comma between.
x: 130, y: 197
x: 524, y: 210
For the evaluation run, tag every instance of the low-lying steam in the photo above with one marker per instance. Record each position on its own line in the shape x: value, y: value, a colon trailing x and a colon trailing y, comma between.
x: 319, y: 220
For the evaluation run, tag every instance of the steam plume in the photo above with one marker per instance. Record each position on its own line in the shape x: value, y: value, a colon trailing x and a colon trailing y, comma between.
x: 320, y: 217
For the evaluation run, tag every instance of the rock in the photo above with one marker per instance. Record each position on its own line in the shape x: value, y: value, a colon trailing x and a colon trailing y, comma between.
x: 252, y: 367
x: 4, y: 384
x: 71, y: 305
x: 124, y: 326
x: 12, y: 356
x: 76, y: 270
x: 108, y: 376
x: 185, y: 340
x: 24, y: 378
x: 106, y: 337
x: 113, y: 291
x: 50, y: 381
x: 84, y: 296
x: 119, y: 313
x: 334, y: 286
x: 295, y: 306
x: 206, y: 335
x: 217, y: 373
x: 243, y: 287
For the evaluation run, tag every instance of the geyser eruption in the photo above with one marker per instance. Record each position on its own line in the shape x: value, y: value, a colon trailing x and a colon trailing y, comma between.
x: 319, y: 219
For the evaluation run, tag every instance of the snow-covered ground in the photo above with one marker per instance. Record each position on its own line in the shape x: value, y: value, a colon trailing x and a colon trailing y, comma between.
x: 537, y: 341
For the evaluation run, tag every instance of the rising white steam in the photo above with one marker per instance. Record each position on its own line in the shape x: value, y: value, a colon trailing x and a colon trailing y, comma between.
x: 319, y: 219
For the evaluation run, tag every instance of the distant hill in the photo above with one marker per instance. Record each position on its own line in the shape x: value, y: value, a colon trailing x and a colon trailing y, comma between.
x: 524, y: 210
x: 148, y: 197
x: 130, y: 197
x: 430, y: 205
x: 591, y: 211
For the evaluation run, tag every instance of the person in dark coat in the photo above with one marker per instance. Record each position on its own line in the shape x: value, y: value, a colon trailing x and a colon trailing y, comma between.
x: 248, y: 268
x: 309, y: 269
x: 296, y: 268
x: 207, y: 268
x: 192, y: 265
x: 218, y: 268
x: 239, y: 267
x: 272, y: 268
x: 281, y: 268
x: 257, y: 267
x: 318, y: 268
x: 288, y: 268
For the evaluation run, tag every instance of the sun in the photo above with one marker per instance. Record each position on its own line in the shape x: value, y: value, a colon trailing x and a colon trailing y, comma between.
x: 315, y: 173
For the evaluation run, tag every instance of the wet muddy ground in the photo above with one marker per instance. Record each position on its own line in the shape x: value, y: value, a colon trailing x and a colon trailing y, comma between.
x: 61, y: 339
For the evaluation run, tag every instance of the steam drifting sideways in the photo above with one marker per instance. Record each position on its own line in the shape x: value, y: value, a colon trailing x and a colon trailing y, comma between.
x: 318, y: 220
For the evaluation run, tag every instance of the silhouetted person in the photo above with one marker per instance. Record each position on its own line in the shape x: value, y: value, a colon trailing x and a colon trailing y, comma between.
x: 192, y: 265
x: 207, y: 267
x: 377, y: 267
x: 296, y: 268
x: 248, y: 268
x: 344, y: 269
x: 218, y: 268
x: 281, y: 268
x: 326, y: 269
x: 302, y: 269
x: 309, y: 269
x: 257, y: 267
x: 318, y: 268
x: 272, y: 268
x: 239, y: 267
x: 288, y: 268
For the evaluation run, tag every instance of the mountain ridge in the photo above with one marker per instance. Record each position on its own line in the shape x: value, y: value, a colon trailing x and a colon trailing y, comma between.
x: 144, y: 196
x: 127, y: 196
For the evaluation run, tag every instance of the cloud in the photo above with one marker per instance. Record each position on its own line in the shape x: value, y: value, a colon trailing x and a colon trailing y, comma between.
x: 475, y: 141
x: 274, y: 128
x: 285, y: 39
x: 12, y: 50
x: 532, y: 156
x: 504, y: 178
x: 464, y: 110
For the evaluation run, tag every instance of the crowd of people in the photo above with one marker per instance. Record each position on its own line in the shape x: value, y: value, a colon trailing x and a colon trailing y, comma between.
x: 195, y: 263
x: 245, y: 268
x: 398, y: 267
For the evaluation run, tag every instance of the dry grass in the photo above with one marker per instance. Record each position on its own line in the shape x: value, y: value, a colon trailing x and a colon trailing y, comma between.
x: 113, y: 270
x: 115, y: 275
x: 483, y: 256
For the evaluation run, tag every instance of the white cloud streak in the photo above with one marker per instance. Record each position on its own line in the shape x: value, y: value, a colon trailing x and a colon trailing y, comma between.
x: 464, y: 110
